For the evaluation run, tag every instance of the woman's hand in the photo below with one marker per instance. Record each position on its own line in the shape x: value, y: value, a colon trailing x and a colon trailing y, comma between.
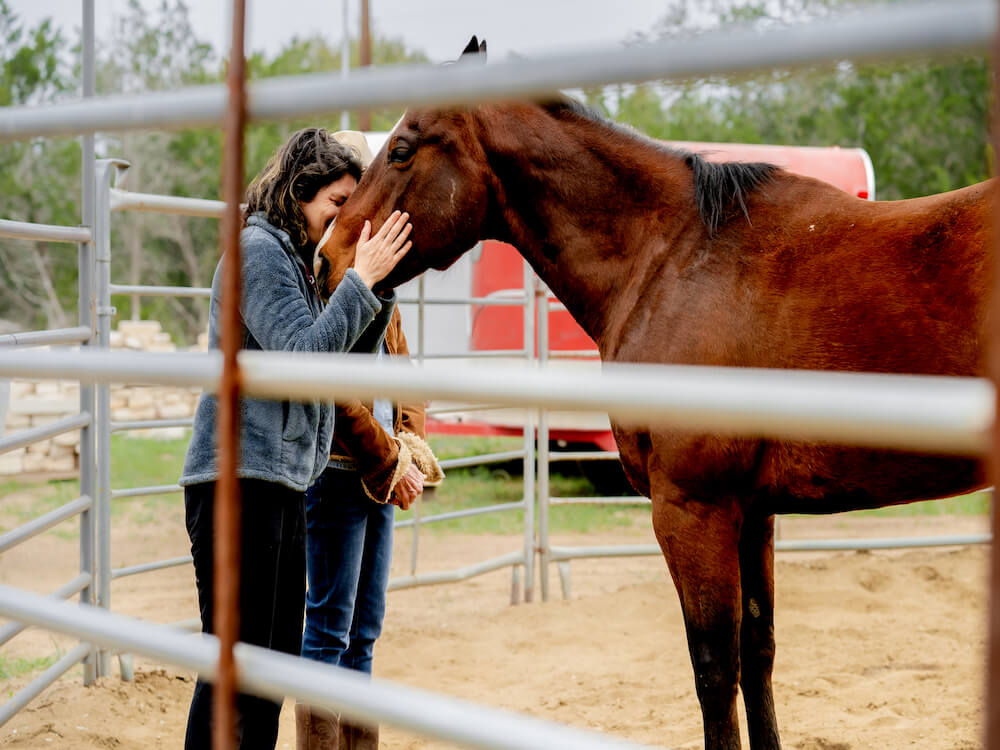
x: 409, y: 486
x: 377, y: 255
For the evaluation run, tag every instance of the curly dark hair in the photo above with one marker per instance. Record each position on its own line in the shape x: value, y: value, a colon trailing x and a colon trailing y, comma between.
x: 308, y: 161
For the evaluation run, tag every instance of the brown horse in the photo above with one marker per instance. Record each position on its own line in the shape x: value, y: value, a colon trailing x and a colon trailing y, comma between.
x: 664, y: 257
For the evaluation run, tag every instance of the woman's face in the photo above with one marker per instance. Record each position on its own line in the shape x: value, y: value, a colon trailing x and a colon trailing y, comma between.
x: 323, y: 209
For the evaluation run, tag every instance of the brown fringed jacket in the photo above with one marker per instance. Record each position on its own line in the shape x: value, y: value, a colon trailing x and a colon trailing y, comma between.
x: 382, y: 459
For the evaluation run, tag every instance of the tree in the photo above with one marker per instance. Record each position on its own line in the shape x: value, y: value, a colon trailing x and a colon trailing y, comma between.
x: 152, y: 51
x: 925, y: 124
x: 39, y: 179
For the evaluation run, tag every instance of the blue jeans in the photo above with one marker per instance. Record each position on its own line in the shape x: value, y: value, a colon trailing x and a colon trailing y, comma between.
x: 348, y: 552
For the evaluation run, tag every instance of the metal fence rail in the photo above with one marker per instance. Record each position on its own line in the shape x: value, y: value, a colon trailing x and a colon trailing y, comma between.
x: 161, y: 489
x: 563, y: 555
x: 24, y: 230
x: 44, y: 522
x: 273, y: 675
x: 121, y: 199
x: 126, y: 200
x: 878, y: 33
x: 52, y: 337
x: 141, y: 290
x: 905, y: 412
x: 112, y: 196
x: 65, y: 591
x: 132, y: 570
x: 31, y: 435
x: 467, y: 513
x: 46, y: 678
x: 151, y: 424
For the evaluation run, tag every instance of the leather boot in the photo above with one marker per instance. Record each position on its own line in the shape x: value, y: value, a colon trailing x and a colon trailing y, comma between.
x: 316, y: 729
x: 358, y: 737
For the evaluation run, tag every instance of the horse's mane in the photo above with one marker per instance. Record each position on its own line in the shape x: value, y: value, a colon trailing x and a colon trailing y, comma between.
x: 719, y: 187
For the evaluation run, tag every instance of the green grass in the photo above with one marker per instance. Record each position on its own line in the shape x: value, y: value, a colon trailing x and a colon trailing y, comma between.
x: 479, y: 486
x: 974, y: 504
x: 457, y: 446
x: 11, y: 667
x: 139, y: 462
x: 134, y: 463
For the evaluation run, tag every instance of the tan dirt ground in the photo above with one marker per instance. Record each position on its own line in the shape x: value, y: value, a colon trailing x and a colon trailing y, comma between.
x: 881, y: 650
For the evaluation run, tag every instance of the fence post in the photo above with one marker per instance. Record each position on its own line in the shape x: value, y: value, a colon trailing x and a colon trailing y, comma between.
x: 102, y: 417
x: 542, y: 308
x: 992, y: 708
x: 421, y: 305
x: 85, y: 308
x: 529, y: 442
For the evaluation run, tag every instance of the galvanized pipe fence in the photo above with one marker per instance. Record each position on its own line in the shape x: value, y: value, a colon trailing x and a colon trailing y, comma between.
x: 562, y: 555
x: 899, y: 30
x: 942, y: 414
x: 276, y: 676
x: 114, y: 197
x: 83, y: 584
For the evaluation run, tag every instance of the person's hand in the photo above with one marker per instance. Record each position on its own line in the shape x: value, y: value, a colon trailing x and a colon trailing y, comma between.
x: 409, y: 486
x: 377, y: 255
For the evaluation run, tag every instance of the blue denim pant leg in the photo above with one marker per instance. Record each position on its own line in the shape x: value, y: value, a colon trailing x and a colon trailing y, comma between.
x: 348, y: 554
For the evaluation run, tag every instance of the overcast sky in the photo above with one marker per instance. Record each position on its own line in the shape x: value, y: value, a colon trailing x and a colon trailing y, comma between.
x: 440, y: 28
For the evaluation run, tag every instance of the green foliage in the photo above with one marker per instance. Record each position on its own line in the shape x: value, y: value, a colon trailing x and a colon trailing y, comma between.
x: 974, y: 504
x: 31, y: 68
x: 481, y: 486
x: 40, y: 180
x: 924, y: 123
x: 15, y: 666
x: 137, y: 462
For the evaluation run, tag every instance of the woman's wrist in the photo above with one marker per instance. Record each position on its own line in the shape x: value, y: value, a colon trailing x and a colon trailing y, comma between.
x: 366, y: 278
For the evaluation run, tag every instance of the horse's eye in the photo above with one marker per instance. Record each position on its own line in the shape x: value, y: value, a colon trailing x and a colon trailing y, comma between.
x: 400, y: 153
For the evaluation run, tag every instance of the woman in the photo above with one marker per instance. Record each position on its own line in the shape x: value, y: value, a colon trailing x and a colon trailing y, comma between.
x: 379, y: 459
x: 284, y: 446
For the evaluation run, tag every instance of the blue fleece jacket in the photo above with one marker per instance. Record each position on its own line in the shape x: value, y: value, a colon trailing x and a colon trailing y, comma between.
x: 283, y: 441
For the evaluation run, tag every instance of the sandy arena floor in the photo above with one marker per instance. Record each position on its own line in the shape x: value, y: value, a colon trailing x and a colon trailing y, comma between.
x: 874, y: 649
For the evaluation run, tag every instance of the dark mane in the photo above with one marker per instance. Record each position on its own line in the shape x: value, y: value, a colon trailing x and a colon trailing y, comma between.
x: 719, y: 188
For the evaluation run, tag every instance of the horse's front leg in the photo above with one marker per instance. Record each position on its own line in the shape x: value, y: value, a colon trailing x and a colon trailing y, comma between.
x: 757, y: 632
x: 700, y: 541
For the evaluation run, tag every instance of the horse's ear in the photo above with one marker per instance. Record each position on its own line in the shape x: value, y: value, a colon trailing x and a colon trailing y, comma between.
x: 474, y: 50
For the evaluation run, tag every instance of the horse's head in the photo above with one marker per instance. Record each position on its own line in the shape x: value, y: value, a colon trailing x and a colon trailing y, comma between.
x: 431, y: 166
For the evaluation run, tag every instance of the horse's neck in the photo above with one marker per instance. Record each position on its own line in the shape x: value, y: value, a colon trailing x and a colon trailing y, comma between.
x: 581, y: 216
